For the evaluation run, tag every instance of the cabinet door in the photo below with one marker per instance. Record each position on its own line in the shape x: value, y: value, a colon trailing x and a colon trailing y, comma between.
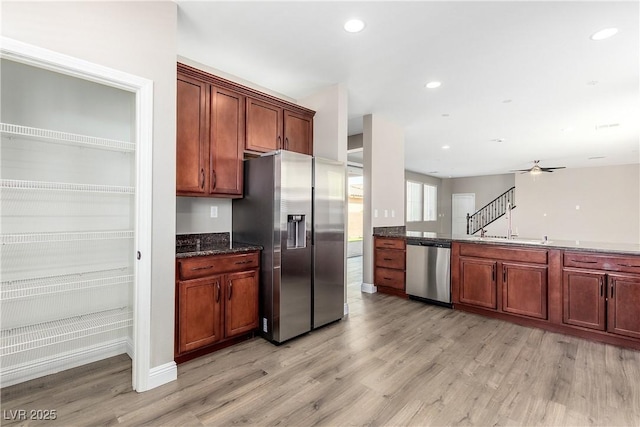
x: 583, y: 298
x: 264, y: 126
x: 226, y: 142
x: 298, y: 133
x: 478, y: 282
x: 200, y: 317
x: 241, y: 309
x: 524, y: 290
x: 623, y: 306
x: 191, y: 136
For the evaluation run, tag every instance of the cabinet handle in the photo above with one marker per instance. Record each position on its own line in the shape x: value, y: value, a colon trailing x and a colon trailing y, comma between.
x: 504, y: 274
x: 601, y: 288
x: 279, y: 142
x: 214, y: 178
x: 612, y: 283
x: 629, y: 265
x: 208, y: 267
x: 584, y: 262
x: 242, y: 262
x: 286, y: 143
x: 493, y: 273
x: 202, y: 180
x: 230, y: 289
x: 388, y: 259
x: 388, y: 244
x: 218, y: 296
x: 387, y: 278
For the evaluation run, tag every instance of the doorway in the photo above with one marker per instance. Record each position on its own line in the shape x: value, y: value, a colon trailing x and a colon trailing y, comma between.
x: 461, y: 205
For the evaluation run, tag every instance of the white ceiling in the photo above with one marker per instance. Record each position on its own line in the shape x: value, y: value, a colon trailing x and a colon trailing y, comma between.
x: 537, y: 55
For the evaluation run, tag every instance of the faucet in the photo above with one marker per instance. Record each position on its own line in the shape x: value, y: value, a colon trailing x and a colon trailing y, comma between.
x: 510, y: 233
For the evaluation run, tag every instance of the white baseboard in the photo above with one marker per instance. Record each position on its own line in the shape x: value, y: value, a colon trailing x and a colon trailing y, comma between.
x: 346, y: 309
x: 368, y: 288
x: 162, y: 374
x: 61, y: 362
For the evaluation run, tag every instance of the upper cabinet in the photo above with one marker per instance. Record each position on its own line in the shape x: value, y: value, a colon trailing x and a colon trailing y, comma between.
x: 192, y: 138
x: 298, y: 132
x: 218, y: 121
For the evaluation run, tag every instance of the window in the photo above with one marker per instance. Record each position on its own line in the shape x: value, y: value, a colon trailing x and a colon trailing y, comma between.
x: 421, y: 202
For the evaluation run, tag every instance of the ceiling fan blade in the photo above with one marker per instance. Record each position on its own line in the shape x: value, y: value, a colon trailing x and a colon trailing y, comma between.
x: 551, y: 169
x: 520, y: 170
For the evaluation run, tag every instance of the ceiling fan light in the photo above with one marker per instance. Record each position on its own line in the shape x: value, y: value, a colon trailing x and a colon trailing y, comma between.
x: 536, y: 170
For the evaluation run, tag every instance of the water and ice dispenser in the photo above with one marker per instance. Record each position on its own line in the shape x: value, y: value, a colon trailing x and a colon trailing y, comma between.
x: 296, y: 231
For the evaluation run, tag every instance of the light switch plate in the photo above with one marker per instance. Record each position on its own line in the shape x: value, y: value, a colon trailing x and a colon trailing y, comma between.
x: 214, y: 212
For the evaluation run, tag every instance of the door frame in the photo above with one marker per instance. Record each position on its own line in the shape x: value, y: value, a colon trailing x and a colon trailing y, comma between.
x: 453, y: 200
x: 143, y: 89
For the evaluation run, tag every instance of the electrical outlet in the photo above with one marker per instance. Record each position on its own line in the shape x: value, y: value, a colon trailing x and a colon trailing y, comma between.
x: 386, y: 213
x: 264, y: 325
x: 214, y: 212
x: 393, y: 213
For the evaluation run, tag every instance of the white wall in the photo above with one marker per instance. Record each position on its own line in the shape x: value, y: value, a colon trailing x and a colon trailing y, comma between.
x: 608, y: 197
x: 383, y: 170
x: 193, y: 215
x: 330, y: 122
x: 138, y: 38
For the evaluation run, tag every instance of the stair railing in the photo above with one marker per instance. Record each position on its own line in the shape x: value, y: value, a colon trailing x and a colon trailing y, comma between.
x: 491, y: 211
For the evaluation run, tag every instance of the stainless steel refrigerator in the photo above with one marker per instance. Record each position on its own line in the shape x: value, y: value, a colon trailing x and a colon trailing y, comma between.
x: 294, y: 206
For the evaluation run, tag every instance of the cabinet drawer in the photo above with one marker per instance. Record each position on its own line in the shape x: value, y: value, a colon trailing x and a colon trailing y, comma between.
x: 193, y: 268
x: 390, y: 259
x: 506, y: 253
x: 389, y: 278
x: 626, y: 264
x: 382, y: 243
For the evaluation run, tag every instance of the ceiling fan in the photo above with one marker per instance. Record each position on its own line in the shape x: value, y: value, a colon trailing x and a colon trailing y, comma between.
x: 537, y: 169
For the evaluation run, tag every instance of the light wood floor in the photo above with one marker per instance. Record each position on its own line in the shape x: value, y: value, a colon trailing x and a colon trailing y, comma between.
x: 390, y: 362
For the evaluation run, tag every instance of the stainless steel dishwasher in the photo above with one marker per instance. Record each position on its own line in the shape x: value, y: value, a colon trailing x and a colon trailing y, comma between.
x: 429, y: 271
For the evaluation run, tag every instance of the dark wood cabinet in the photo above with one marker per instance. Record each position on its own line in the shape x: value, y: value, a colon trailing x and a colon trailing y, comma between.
x: 272, y: 127
x: 216, y: 302
x: 501, y: 279
x: 602, y: 292
x: 210, y: 139
x: 389, y: 265
x: 524, y: 289
x: 583, y: 298
x: 191, y: 136
x: 241, y: 305
x: 226, y: 143
x: 264, y: 126
x: 478, y: 282
x: 298, y: 132
x: 218, y: 121
x: 589, y: 294
x: 624, y: 305
x: 200, y: 314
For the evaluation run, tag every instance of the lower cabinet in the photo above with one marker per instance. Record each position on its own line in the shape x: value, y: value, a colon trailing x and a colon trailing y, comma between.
x: 584, y: 293
x: 389, y: 265
x: 478, y: 282
x: 524, y: 289
x: 220, y: 306
x: 519, y: 288
x: 602, y: 301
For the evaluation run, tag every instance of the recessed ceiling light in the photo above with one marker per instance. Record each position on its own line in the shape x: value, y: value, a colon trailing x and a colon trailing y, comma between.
x: 445, y: 147
x: 445, y: 115
x: 595, y: 157
x: 354, y: 26
x: 501, y: 140
x: 592, y: 82
x: 432, y: 85
x: 506, y: 101
x: 604, y: 34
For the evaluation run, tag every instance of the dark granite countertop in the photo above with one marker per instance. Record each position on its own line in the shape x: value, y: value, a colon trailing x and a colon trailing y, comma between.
x: 572, y: 245
x: 193, y: 245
